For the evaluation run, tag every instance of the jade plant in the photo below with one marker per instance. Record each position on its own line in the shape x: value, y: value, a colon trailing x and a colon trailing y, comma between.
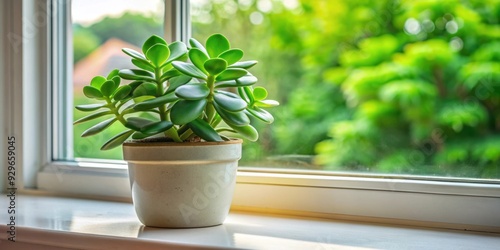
x: 179, y: 94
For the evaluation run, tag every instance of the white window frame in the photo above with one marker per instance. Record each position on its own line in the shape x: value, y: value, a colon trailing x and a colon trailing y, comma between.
x: 27, y: 114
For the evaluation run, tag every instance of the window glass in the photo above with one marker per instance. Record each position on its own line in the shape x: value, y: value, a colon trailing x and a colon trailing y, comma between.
x: 100, y: 30
x: 399, y: 87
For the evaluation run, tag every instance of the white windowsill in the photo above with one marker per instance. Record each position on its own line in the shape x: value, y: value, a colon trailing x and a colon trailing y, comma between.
x: 58, y: 223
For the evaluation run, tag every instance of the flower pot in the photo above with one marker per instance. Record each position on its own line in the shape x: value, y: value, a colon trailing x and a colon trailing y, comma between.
x: 182, y: 185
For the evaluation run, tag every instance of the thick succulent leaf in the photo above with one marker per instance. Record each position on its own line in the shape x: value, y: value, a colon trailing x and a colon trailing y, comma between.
x: 248, y: 93
x: 225, y: 84
x: 112, y: 74
x: 243, y: 65
x: 117, y: 140
x: 134, y: 54
x: 259, y: 93
x: 266, y: 103
x: 139, y: 135
x: 177, y: 51
x: 177, y: 81
x: 185, y: 111
x: 108, y: 88
x: 143, y: 65
x: 261, y: 114
x: 247, y: 132
x: 157, y: 127
x: 231, y: 74
x: 98, y: 127
x: 232, y: 56
x: 93, y: 116
x: 155, y: 102
x: 90, y: 107
x: 198, y: 58
x: 194, y: 91
x: 234, y: 118
x: 202, y: 129
x: 243, y: 96
x: 117, y: 81
x: 217, y: 44
x: 247, y: 80
x: 215, y: 66
x: 189, y: 69
x: 151, y: 41
x: 195, y: 44
x: 136, y: 74
x: 122, y: 92
x: 137, y: 123
x: 92, y: 92
x: 97, y: 82
x: 229, y: 102
x: 145, y: 89
x: 158, y: 54
x: 169, y: 74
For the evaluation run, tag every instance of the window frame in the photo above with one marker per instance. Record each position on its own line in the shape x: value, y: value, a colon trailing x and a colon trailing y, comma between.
x: 435, y: 202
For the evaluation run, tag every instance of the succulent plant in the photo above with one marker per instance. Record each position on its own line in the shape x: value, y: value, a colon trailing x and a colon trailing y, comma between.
x: 206, y: 97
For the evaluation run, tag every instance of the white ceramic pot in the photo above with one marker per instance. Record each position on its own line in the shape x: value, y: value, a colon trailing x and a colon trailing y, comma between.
x: 182, y: 185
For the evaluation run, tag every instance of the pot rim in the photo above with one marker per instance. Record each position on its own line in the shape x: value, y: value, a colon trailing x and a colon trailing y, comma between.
x: 177, y: 144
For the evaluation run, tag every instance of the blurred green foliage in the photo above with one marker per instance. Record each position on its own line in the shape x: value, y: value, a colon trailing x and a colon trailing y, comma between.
x: 389, y: 86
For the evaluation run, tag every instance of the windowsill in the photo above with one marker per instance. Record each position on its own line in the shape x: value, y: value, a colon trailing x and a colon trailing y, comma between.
x: 52, y: 222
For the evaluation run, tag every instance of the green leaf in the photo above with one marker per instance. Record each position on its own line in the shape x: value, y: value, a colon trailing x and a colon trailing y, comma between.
x: 259, y: 93
x: 176, y: 82
x: 202, y: 129
x: 108, y: 88
x: 194, y: 91
x: 158, y: 54
x: 247, y: 132
x: 112, y: 74
x: 134, y: 54
x: 122, y: 92
x: 266, y: 103
x: 92, y: 92
x: 189, y: 69
x: 198, y: 58
x: 215, y: 66
x: 137, y: 123
x: 217, y: 44
x: 169, y: 74
x: 90, y: 107
x: 136, y: 74
x: 261, y: 114
x: 98, y: 127
x: 92, y: 116
x: 155, y: 102
x: 231, y: 74
x: 177, y: 51
x: 143, y: 65
x: 139, y: 135
x: 232, y: 56
x: 244, y: 64
x: 235, y: 118
x: 117, y: 81
x: 157, y: 127
x: 248, y: 93
x: 195, y: 44
x: 247, y: 80
x: 117, y: 140
x: 145, y: 89
x: 231, y: 103
x: 185, y: 111
x: 97, y: 82
x: 151, y: 41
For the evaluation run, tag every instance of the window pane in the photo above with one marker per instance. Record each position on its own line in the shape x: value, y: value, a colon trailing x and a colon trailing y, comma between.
x: 399, y: 87
x: 100, y: 30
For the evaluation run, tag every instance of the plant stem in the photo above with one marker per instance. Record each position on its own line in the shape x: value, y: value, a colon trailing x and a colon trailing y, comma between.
x: 172, y: 132
x: 210, y: 109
